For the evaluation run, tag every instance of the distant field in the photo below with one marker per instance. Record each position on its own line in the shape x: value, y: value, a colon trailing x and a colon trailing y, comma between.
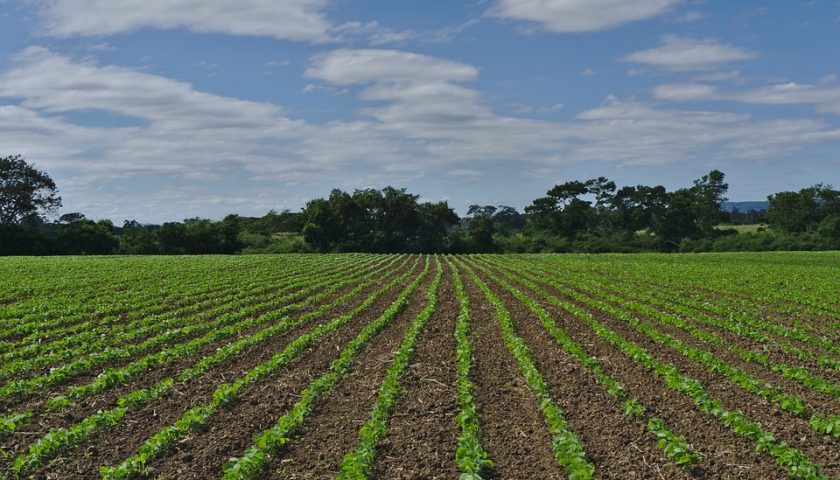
x: 752, y: 228
x: 410, y: 366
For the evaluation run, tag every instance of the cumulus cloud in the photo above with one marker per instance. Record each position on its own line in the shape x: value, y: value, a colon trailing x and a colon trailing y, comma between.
x: 574, y: 16
x: 348, y: 67
x: 300, y: 20
x: 681, y: 54
x: 825, y: 97
x: 418, y: 115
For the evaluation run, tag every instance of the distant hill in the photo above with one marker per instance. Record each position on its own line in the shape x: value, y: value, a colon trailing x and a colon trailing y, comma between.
x: 745, y: 206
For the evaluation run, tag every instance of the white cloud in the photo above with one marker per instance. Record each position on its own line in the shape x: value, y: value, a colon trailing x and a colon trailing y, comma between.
x: 691, y: 16
x: 300, y: 20
x: 720, y: 76
x: 678, y: 53
x: 685, y: 92
x: 825, y: 97
x: 830, y: 78
x: 348, y: 67
x: 418, y: 117
x: 573, y: 16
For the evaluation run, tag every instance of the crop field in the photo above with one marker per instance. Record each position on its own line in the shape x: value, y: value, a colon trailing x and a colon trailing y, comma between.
x: 475, y: 367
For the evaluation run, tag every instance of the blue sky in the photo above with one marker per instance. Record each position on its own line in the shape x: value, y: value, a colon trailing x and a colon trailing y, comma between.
x: 161, y: 110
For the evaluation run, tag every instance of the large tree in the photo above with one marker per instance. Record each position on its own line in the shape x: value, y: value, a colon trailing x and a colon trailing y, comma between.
x: 26, y: 193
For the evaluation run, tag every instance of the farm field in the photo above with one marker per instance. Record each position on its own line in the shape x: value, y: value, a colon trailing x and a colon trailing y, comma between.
x: 356, y: 366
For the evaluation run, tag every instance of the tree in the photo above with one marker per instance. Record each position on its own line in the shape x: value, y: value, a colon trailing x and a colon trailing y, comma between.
x: 709, y: 194
x: 86, y: 237
x: 137, y: 239
x: 71, y: 218
x: 370, y: 220
x: 25, y: 192
x: 562, y: 211
x: 797, y: 212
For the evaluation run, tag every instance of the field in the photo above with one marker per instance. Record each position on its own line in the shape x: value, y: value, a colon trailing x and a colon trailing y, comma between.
x: 412, y: 366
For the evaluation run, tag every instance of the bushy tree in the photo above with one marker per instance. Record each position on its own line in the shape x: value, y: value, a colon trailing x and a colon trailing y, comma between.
x: 26, y: 193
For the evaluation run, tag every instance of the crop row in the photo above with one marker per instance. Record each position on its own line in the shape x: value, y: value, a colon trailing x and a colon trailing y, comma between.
x: 675, y: 446
x: 825, y: 424
x: 227, y: 392
x: 471, y: 457
x: 103, y: 337
x: 797, y: 463
x: 62, y: 438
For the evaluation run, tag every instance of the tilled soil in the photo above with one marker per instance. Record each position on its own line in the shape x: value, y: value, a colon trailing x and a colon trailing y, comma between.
x: 771, y: 348
x: 423, y: 433
x: 723, y: 453
x: 230, y: 432
x: 332, y: 428
x: 820, y: 449
x: 624, y: 450
x: 116, y: 444
x: 47, y: 420
x: 513, y: 430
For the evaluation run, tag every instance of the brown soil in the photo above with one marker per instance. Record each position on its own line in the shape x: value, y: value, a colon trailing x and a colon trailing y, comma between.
x: 112, y: 446
x: 333, y: 425
x: 36, y: 402
x: 771, y: 348
x: 624, y: 450
x: 820, y: 402
x: 820, y: 449
x: 423, y: 433
x: 513, y: 430
x: 723, y: 453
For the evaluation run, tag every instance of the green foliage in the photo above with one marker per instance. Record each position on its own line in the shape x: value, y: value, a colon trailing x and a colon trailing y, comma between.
x: 250, y: 465
x: 797, y: 463
x: 568, y: 449
x: 387, y: 220
x: 470, y: 456
x: 26, y: 193
x: 357, y: 463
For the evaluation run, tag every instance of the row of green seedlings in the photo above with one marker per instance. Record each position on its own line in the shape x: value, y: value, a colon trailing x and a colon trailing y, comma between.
x: 193, y: 325
x: 745, y: 304
x: 797, y: 464
x: 358, y: 463
x: 252, y: 462
x: 192, y: 419
x: 36, y: 327
x: 115, y: 376
x: 789, y: 332
x: 59, y: 439
x: 56, y: 318
x: 104, y: 337
x: 123, y: 325
x: 824, y: 424
x: 676, y: 448
x: 724, y: 321
x: 157, y: 304
x: 75, y: 294
x: 568, y: 449
x: 471, y: 457
x: 794, y: 307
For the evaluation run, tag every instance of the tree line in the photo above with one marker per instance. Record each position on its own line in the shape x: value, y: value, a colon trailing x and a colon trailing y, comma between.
x: 577, y: 216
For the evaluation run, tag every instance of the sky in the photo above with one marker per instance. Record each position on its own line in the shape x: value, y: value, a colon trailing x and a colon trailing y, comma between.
x: 161, y: 110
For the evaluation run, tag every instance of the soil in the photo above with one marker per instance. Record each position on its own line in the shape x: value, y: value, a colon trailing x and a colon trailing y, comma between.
x: 513, y: 430
x: 332, y: 428
x: 423, y: 433
x: 112, y: 446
